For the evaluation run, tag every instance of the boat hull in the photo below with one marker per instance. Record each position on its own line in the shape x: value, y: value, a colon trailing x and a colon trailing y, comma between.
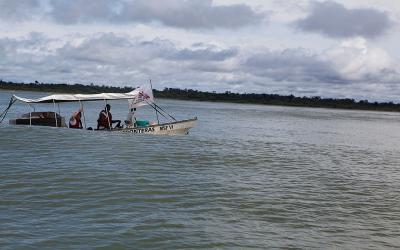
x: 173, y: 128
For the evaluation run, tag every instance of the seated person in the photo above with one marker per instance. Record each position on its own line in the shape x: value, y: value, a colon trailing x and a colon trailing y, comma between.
x: 131, y: 119
x: 75, y: 120
x: 105, y: 120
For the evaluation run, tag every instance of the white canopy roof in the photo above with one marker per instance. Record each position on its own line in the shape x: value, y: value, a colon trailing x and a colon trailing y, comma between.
x: 80, y: 97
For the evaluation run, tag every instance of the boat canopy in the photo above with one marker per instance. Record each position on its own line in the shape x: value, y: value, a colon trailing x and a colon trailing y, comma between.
x: 81, y: 97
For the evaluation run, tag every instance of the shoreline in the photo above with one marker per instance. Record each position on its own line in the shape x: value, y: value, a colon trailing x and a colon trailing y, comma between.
x: 227, y: 97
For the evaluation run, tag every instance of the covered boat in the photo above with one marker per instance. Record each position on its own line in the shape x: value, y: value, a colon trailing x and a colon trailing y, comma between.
x: 139, y: 97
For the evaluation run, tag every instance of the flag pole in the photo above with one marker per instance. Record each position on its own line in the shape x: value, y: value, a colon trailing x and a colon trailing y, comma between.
x: 154, y: 100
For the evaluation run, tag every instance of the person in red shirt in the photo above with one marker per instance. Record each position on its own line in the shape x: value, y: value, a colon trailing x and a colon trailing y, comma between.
x: 105, y: 120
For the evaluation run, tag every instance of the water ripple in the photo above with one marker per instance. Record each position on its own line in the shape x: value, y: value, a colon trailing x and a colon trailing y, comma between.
x: 287, y: 186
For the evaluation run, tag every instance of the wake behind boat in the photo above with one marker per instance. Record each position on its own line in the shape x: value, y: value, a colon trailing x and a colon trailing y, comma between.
x: 139, y: 97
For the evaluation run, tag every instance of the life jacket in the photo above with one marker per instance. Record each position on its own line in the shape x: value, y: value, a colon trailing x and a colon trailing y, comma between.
x: 103, y: 120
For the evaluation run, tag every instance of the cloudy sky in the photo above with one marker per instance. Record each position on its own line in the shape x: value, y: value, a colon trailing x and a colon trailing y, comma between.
x: 337, y: 48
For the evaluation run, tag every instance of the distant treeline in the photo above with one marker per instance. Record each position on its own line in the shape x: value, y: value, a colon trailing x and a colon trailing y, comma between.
x: 274, y: 99
x: 190, y: 94
x: 62, y: 87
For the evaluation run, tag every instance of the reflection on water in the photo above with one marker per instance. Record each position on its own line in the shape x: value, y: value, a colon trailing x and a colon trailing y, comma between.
x: 246, y: 176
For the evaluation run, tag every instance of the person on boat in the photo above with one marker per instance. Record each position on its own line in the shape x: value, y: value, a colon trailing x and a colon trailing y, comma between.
x: 75, y: 120
x: 105, y: 120
x: 131, y: 119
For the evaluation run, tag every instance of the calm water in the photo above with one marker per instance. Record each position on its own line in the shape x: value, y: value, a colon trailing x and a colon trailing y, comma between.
x: 246, y: 176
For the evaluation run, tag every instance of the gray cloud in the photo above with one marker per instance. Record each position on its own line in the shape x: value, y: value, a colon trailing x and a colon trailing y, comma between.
x: 334, y: 20
x: 203, y: 54
x: 17, y: 10
x: 105, y: 57
x: 292, y: 65
x: 108, y: 48
x: 190, y: 14
x: 83, y: 11
x: 118, y: 59
x: 194, y: 14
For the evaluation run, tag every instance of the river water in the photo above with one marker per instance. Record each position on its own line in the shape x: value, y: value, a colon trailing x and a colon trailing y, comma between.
x: 247, y: 176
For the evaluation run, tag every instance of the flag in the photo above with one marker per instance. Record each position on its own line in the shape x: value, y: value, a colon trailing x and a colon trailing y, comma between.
x: 143, y: 97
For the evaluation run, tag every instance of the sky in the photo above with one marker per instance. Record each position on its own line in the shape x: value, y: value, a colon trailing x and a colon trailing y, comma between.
x: 335, y: 48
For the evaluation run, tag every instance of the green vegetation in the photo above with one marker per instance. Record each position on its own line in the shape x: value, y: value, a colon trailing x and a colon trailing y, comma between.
x: 62, y: 88
x: 189, y: 94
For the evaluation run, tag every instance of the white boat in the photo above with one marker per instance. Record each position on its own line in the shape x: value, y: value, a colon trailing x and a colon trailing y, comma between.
x: 139, y: 97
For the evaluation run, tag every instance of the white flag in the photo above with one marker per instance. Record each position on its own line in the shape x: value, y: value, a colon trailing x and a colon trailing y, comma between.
x: 143, y: 97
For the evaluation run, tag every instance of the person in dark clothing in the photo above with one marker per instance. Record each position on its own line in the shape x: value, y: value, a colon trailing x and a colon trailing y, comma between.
x: 105, y: 120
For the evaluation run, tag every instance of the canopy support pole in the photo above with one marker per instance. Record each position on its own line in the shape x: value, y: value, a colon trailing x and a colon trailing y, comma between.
x: 30, y: 114
x: 83, y: 113
x: 55, y: 114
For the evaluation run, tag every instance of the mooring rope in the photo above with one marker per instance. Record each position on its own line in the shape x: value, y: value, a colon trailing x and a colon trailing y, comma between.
x: 155, y: 108
x: 163, y: 110
x: 4, y: 113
